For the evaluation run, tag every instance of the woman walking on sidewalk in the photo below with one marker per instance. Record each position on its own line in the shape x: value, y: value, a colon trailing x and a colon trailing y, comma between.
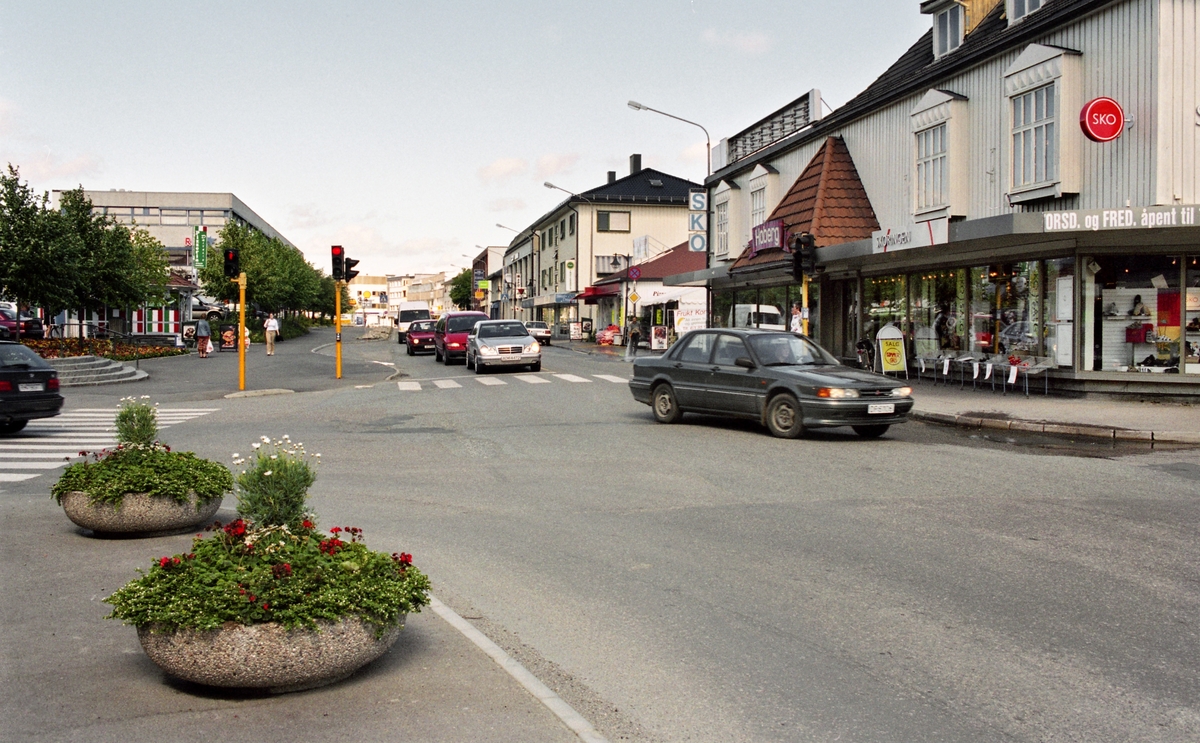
x: 271, y: 328
x: 203, y: 333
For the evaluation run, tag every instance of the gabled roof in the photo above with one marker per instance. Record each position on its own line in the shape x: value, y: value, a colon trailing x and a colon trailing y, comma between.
x: 647, y: 186
x: 676, y: 260
x: 917, y: 70
x: 827, y: 200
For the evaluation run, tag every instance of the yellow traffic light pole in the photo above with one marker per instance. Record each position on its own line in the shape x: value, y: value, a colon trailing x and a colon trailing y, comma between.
x: 337, y: 324
x: 804, y: 305
x: 241, y: 342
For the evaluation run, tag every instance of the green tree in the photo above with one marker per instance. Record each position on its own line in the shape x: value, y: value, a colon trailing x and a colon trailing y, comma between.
x: 461, y: 289
x: 277, y: 276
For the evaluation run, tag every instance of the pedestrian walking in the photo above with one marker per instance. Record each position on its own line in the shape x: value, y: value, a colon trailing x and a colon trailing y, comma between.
x: 635, y: 337
x: 203, y: 334
x: 271, y: 329
x: 797, y: 317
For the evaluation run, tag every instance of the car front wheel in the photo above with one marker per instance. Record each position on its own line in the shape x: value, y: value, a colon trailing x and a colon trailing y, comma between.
x: 666, y: 409
x: 784, y: 417
x: 871, y: 432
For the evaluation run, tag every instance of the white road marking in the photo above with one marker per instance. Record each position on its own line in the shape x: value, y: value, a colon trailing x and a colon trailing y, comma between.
x: 31, y: 465
x: 16, y: 477
x: 409, y: 386
x: 531, y: 379
x: 490, y: 381
x: 611, y: 378
x: 572, y: 378
x: 446, y: 384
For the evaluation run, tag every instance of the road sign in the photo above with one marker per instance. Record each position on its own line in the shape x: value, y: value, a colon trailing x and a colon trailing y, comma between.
x: 634, y: 297
x: 479, y: 294
x: 635, y: 273
x: 199, y: 247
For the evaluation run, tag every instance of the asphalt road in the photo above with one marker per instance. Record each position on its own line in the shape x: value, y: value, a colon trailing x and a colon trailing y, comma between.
x: 700, y: 582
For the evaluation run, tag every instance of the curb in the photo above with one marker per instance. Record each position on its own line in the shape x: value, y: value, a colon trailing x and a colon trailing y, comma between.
x: 258, y: 393
x: 1057, y: 429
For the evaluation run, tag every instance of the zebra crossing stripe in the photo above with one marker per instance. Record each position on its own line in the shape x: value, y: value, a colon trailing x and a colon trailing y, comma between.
x: 531, y: 379
x: 611, y: 378
x: 32, y: 465
x: 409, y: 386
x: 572, y: 378
x: 17, y: 476
x: 490, y: 381
x: 446, y: 384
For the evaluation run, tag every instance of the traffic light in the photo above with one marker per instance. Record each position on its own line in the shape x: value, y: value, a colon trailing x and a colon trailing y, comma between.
x: 232, y: 267
x: 804, y: 256
x: 339, y: 256
x: 348, y: 272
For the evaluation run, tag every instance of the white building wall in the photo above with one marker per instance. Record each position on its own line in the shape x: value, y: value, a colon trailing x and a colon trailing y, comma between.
x: 1178, y: 121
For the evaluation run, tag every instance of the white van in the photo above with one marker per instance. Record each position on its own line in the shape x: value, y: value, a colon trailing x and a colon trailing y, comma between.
x: 409, y: 312
x: 762, y: 316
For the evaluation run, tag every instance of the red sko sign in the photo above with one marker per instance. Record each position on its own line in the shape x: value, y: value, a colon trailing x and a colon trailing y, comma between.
x: 1102, y: 120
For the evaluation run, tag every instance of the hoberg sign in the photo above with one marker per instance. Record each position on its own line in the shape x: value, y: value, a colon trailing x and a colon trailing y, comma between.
x: 1130, y: 218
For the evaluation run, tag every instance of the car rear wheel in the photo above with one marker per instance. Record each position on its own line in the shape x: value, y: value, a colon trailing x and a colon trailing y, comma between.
x: 662, y: 401
x: 7, y: 429
x: 871, y: 432
x: 784, y: 417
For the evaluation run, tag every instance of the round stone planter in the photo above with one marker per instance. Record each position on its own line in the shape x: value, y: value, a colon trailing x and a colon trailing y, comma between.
x: 137, y: 514
x: 266, y: 656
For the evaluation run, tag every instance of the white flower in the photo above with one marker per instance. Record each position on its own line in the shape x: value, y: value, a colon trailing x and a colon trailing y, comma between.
x: 267, y: 473
x: 286, y: 437
x: 274, y: 456
x: 256, y: 445
x: 265, y: 439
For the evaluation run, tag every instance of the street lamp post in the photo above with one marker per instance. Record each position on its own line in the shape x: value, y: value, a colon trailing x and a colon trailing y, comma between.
x: 579, y: 226
x: 707, y: 139
x: 531, y: 269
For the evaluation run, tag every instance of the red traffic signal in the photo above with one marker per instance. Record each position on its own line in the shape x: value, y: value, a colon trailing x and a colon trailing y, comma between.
x: 339, y: 256
x: 232, y: 266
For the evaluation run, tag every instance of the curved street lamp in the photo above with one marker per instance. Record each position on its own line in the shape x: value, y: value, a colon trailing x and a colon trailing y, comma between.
x: 707, y: 139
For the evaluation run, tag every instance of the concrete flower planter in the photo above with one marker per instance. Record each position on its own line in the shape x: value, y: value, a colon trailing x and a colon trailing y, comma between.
x: 137, y: 514
x: 266, y: 656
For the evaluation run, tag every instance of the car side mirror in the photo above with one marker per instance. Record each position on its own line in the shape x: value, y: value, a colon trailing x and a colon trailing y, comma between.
x: 744, y: 362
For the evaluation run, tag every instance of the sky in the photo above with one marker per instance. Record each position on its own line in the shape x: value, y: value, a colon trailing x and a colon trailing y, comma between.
x: 403, y: 130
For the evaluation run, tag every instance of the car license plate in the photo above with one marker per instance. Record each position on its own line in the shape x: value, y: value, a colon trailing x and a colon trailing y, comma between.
x: 31, y: 387
x: 883, y: 407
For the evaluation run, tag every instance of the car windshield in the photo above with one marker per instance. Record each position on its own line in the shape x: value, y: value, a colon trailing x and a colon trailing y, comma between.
x: 785, y: 349
x: 503, y: 330
x: 536, y: 324
x: 421, y: 326
x: 410, y: 315
x: 12, y: 354
x: 462, y: 323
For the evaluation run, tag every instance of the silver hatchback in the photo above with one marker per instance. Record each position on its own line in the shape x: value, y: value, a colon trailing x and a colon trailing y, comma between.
x: 496, y: 343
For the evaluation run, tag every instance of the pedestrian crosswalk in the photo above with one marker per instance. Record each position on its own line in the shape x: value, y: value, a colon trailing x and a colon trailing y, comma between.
x: 49, y: 443
x: 458, y: 383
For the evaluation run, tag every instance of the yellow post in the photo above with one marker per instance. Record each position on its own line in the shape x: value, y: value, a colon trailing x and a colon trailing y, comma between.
x: 241, y: 340
x: 337, y: 324
x: 804, y: 304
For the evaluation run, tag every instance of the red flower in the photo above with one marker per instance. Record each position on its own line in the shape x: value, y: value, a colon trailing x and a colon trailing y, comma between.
x: 175, y: 560
x: 164, y: 562
x: 403, y: 558
x: 252, y: 598
x: 266, y: 607
x: 306, y: 524
x: 335, y: 530
x: 331, y: 546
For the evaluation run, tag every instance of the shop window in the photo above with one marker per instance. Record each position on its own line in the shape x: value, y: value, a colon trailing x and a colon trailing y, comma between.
x: 722, y: 247
x: 883, y: 304
x: 948, y: 29
x: 722, y: 308
x: 1058, y: 311
x: 937, y: 307
x: 1005, y: 316
x: 1043, y: 83
x: 774, y: 312
x: 612, y: 221
x: 1192, y: 316
x: 1018, y: 9
x: 1132, y: 312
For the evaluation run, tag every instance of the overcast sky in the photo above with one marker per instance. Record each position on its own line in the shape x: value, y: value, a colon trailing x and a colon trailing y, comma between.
x: 406, y: 130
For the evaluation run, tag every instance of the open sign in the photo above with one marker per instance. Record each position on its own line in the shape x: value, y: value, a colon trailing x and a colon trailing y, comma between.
x: 1102, y: 120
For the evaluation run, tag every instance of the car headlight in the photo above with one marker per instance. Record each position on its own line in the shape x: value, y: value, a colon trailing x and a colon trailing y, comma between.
x: 836, y: 393
x: 487, y: 350
x: 533, y: 347
x: 902, y: 392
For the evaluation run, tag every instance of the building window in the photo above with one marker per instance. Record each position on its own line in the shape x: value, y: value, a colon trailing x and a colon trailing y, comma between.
x: 932, y: 168
x: 562, y: 229
x: 1035, y: 155
x: 948, y: 29
x: 612, y: 221
x: 571, y: 224
x: 758, y: 206
x: 1018, y: 9
x: 722, y: 228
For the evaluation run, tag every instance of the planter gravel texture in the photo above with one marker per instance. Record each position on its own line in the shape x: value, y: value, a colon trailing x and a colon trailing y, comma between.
x: 266, y: 656
x: 138, y: 513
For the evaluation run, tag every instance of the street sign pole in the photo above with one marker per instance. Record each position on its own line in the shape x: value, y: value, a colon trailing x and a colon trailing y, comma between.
x: 337, y: 324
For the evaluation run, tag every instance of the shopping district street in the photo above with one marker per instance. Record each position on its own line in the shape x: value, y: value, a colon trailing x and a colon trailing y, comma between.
x: 703, y: 581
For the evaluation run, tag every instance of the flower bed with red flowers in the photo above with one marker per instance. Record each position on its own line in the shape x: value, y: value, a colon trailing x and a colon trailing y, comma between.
x: 62, y: 348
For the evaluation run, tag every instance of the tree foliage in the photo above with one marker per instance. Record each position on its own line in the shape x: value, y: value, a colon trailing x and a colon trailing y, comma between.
x: 461, y: 289
x: 277, y: 276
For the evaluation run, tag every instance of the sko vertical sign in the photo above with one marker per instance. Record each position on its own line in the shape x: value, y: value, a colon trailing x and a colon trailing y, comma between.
x: 698, y: 220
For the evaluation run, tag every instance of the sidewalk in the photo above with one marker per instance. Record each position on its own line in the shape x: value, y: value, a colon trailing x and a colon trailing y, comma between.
x: 1100, y: 418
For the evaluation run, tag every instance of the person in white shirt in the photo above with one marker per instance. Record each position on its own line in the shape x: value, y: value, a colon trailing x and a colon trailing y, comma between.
x: 271, y: 329
x: 797, y: 315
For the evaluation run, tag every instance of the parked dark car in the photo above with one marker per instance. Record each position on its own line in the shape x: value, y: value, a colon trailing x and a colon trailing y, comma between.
x: 450, y: 334
x: 783, y: 380
x: 31, y: 327
x: 28, y: 388
x: 419, y: 337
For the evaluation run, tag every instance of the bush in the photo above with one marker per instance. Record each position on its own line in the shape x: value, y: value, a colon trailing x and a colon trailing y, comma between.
x: 137, y: 422
x: 63, y: 348
x: 273, y: 489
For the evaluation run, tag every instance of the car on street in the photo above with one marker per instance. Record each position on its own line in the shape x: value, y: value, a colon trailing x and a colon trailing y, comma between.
x: 419, y: 337
x: 539, y: 330
x: 783, y: 380
x: 28, y: 388
x: 209, y: 310
x: 31, y: 327
x: 450, y: 334
x: 408, y: 313
x: 497, y: 343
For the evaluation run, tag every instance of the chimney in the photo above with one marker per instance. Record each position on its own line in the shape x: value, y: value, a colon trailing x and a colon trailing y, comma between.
x: 635, y: 164
x: 612, y: 176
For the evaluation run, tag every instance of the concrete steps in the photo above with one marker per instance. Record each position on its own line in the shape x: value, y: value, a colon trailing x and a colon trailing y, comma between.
x: 83, y: 371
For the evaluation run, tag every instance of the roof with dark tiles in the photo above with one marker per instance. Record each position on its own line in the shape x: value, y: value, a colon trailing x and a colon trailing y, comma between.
x: 647, y: 186
x: 827, y: 200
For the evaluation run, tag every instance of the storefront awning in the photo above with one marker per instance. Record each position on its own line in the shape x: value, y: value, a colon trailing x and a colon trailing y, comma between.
x: 687, y: 296
x: 593, y: 293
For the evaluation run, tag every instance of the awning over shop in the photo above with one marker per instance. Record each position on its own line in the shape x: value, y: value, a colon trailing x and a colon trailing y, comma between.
x: 591, y: 294
x: 687, y: 296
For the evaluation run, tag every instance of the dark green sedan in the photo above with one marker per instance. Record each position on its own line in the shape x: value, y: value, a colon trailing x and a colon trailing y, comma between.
x: 783, y: 380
